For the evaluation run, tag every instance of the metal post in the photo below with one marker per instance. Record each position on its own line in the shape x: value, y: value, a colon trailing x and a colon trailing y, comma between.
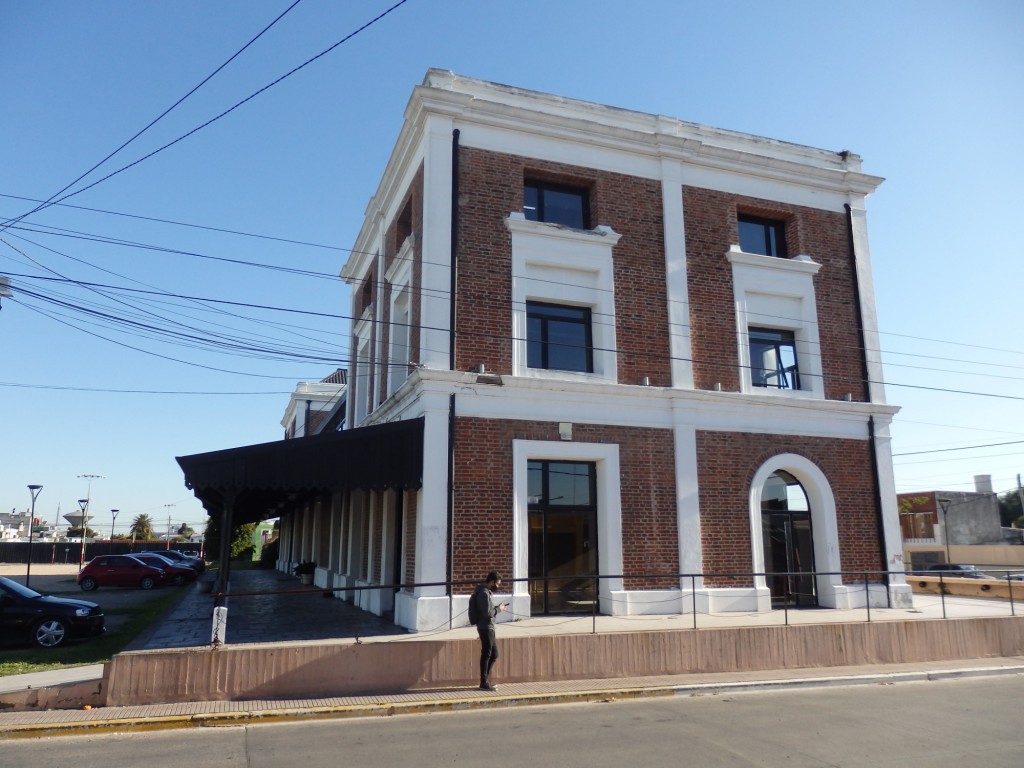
x: 867, y: 596
x: 593, y: 605
x: 113, y: 519
x: 693, y: 594
x: 942, y: 593
x: 83, y: 504
x: 1009, y: 588
x: 34, y: 490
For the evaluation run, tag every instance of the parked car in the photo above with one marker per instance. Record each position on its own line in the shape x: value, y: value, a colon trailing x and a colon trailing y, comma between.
x: 119, y: 571
x: 179, y: 557
x: 26, y: 616
x: 174, y: 573
x: 948, y: 570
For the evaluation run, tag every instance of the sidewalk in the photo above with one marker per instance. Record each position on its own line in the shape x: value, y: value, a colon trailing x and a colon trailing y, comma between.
x: 213, y: 713
x: 296, y: 613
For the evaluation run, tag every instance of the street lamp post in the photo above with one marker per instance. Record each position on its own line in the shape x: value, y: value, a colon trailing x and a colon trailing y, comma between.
x: 113, y: 519
x: 34, y: 490
x: 945, y: 524
x: 168, y: 506
x: 83, y: 504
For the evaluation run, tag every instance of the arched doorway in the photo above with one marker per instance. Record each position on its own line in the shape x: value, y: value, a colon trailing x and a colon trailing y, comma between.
x: 788, y: 541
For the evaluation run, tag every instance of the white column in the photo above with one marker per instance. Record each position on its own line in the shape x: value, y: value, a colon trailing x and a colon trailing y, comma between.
x: 899, y: 590
x: 691, y: 556
x: 432, y: 510
x: 868, y: 310
x: 437, y: 243
x: 675, y: 275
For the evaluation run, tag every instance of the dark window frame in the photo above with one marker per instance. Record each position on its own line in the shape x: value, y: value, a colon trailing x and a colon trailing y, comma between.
x: 772, y: 241
x: 548, y: 313
x: 785, y: 376
x: 538, y: 211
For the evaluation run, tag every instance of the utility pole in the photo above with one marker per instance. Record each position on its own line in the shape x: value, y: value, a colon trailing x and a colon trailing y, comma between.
x: 168, y: 524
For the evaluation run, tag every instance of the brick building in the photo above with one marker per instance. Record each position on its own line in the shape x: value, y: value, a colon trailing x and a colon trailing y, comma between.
x: 644, y: 353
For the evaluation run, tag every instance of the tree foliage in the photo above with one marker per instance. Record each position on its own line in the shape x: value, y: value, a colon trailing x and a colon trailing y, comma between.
x: 1009, y: 508
x: 142, y: 527
x: 241, y: 538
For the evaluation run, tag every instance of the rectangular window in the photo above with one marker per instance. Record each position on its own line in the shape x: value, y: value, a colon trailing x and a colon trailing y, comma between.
x: 559, y: 338
x: 764, y: 236
x: 556, y: 204
x: 773, y: 359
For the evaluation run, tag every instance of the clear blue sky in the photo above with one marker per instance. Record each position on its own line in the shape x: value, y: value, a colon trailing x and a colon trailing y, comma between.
x: 928, y: 93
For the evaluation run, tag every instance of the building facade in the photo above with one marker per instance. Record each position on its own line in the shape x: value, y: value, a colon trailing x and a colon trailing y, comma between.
x: 645, y: 355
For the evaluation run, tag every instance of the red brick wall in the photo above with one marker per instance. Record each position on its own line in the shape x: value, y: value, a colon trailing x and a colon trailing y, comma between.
x: 483, y: 494
x: 491, y: 187
x: 710, y: 229
x: 726, y: 464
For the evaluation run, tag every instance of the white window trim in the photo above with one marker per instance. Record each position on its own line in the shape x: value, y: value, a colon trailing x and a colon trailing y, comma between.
x: 760, y: 279
x: 362, y: 403
x: 609, y: 509
x: 560, y: 265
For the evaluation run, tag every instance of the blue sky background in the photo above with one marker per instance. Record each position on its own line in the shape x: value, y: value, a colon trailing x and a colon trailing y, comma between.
x: 928, y: 93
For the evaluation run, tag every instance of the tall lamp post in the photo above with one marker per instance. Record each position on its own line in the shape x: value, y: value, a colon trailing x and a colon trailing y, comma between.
x: 34, y: 490
x: 168, y: 506
x: 83, y: 504
x: 945, y: 524
x: 113, y: 519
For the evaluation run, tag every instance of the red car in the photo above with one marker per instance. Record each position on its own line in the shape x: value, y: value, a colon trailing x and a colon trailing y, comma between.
x: 119, y: 571
x: 174, y: 573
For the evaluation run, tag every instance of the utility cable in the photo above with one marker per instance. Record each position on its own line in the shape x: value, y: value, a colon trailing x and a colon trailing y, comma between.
x: 213, y: 119
x: 153, y: 122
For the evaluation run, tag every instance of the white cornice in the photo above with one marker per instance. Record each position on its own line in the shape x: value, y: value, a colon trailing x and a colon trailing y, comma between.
x: 472, y: 103
x: 637, y: 131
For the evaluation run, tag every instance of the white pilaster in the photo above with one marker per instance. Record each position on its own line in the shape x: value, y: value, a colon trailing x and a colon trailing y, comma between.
x: 868, y: 310
x: 437, y: 243
x: 675, y: 275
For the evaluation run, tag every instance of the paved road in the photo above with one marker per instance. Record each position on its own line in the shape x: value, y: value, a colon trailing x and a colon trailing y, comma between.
x: 968, y: 723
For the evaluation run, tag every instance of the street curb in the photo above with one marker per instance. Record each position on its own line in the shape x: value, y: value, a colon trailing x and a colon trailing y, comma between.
x: 393, y: 708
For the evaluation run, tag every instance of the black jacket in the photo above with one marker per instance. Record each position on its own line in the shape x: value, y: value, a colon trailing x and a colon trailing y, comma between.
x: 486, y: 610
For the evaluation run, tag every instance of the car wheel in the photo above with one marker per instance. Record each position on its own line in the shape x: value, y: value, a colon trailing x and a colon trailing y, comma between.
x: 178, y: 580
x: 49, y: 633
x: 148, y: 582
x: 88, y: 584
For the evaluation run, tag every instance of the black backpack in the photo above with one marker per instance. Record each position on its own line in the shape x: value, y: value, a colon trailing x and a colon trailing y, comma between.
x: 474, y: 608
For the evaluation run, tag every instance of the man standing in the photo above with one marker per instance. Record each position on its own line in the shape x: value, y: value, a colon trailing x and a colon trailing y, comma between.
x: 481, y: 613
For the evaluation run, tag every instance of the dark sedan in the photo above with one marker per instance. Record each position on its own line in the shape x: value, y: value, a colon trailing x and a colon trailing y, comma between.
x: 42, y: 620
x: 175, y: 574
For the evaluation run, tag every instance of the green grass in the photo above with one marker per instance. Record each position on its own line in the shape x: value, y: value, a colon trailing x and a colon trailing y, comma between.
x: 20, y: 661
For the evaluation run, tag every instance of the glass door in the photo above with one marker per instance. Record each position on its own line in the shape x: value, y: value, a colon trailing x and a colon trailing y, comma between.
x: 788, y: 542
x: 563, y: 537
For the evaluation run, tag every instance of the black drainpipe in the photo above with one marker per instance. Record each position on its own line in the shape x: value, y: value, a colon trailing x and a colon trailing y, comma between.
x: 867, y: 391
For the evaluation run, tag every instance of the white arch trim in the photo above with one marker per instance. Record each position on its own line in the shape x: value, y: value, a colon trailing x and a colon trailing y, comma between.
x: 823, y: 523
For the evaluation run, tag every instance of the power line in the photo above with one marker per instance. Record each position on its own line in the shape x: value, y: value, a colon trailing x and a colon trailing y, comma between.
x: 153, y: 122
x: 218, y: 117
x: 963, y: 448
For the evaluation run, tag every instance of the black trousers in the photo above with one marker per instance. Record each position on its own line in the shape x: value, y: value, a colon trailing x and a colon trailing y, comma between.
x: 488, y: 650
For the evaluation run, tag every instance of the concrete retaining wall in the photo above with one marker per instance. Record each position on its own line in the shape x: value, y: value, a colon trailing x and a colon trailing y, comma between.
x: 342, y: 668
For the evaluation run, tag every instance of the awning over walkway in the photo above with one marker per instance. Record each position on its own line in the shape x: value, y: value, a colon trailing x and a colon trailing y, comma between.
x: 261, y: 481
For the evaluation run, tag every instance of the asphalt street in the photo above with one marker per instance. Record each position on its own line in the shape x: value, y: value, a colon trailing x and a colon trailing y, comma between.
x: 967, y: 723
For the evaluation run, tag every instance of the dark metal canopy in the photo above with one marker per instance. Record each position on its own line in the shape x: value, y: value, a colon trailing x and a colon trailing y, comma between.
x: 262, y: 481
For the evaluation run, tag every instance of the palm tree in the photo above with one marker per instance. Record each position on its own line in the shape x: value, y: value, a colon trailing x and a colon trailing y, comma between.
x: 142, y: 527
